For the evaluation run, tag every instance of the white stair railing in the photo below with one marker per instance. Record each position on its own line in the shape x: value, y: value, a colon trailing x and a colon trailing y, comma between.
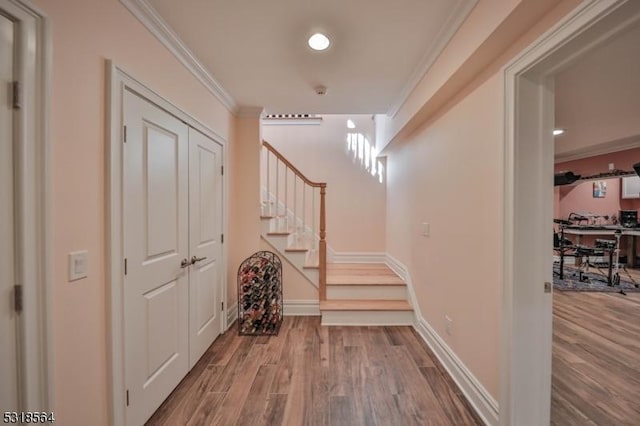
x: 309, y: 228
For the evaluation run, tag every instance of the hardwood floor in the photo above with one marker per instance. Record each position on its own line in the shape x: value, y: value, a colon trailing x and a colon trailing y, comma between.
x: 314, y: 375
x: 596, y: 359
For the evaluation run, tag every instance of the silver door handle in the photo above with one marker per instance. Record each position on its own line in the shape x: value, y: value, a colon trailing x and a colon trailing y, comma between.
x: 184, y: 263
x: 195, y: 260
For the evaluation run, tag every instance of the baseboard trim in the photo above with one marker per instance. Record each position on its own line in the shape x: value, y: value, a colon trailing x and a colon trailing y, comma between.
x: 232, y: 315
x: 304, y: 307
x: 482, y: 402
x: 403, y: 272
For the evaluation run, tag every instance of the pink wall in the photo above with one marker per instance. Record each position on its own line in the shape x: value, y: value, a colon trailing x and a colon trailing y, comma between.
x: 244, y: 198
x: 580, y: 197
x: 356, y: 206
x: 85, y: 33
x: 449, y: 173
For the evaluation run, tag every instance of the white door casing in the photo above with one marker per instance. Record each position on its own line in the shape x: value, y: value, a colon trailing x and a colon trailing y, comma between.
x: 205, y: 231
x: 156, y: 292
x: 9, y: 400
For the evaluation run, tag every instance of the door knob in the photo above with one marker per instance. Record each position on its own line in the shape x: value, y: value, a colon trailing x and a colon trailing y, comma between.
x: 195, y: 259
x: 184, y: 263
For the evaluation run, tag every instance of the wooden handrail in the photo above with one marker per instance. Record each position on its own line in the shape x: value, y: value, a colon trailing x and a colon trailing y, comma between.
x: 293, y: 168
x: 322, y: 248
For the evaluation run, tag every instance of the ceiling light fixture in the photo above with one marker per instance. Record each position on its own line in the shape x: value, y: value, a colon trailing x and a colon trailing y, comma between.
x: 319, y: 41
x: 558, y: 132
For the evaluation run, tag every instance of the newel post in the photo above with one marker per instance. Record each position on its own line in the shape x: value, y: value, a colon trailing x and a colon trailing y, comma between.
x: 322, y: 266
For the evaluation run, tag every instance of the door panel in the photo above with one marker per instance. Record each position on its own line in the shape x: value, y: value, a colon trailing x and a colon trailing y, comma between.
x: 156, y: 234
x: 8, y: 317
x: 161, y: 185
x: 205, y: 230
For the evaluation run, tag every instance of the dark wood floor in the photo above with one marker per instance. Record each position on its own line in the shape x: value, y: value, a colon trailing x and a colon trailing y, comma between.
x: 314, y: 375
x: 596, y: 359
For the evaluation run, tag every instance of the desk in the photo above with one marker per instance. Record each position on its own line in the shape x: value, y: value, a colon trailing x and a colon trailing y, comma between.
x: 579, y: 231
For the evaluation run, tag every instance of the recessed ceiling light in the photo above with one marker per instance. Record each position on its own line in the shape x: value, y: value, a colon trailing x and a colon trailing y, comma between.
x: 319, y: 41
x: 558, y: 132
x: 351, y: 124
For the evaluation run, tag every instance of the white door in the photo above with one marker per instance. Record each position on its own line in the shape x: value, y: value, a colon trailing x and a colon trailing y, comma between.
x: 8, y: 316
x: 205, y: 230
x: 156, y: 292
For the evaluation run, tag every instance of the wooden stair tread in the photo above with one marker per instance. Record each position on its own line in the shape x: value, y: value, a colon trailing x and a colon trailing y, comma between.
x: 267, y: 217
x: 365, y: 305
x: 296, y: 249
x: 279, y: 234
x: 311, y: 266
x: 364, y: 280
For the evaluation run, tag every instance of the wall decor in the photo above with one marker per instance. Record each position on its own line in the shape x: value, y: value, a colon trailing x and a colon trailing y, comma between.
x: 599, y: 189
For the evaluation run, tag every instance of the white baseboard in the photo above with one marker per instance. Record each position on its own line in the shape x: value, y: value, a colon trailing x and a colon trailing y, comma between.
x: 482, y: 402
x: 403, y: 272
x: 232, y: 314
x: 293, y: 307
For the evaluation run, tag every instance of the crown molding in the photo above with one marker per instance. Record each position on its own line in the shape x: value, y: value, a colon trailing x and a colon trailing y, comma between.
x: 617, y: 145
x: 150, y: 18
x: 450, y: 27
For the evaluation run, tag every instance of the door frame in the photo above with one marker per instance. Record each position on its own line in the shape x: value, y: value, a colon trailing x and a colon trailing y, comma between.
x: 33, y: 204
x: 526, y: 334
x: 118, y: 81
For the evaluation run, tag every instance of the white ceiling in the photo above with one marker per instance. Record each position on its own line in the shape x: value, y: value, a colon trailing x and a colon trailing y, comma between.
x: 257, y: 50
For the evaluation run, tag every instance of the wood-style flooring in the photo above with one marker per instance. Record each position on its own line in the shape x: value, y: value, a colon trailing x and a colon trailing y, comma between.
x: 596, y: 359
x: 315, y: 375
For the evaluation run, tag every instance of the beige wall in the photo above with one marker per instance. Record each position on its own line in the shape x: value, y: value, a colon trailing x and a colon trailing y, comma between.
x: 356, y: 206
x: 85, y: 33
x: 449, y: 173
x: 244, y: 198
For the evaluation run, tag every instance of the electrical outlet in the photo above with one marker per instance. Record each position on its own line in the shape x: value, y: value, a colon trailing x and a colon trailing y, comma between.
x: 611, y: 167
x: 425, y: 229
x: 448, y: 324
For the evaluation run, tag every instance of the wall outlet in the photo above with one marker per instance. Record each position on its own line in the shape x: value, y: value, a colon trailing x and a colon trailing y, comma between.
x: 425, y: 229
x: 611, y: 167
x: 448, y: 324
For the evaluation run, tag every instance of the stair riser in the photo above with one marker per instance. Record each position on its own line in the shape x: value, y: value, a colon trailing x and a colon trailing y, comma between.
x: 378, y: 318
x: 364, y: 292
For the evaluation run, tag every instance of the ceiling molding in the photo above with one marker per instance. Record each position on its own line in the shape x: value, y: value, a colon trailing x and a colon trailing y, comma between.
x: 451, y: 26
x: 148, y: 16
x: 249, y: 112
x: 599, y: 149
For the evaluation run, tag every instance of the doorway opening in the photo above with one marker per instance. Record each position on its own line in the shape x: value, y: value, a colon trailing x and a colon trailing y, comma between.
x: 529, y: 158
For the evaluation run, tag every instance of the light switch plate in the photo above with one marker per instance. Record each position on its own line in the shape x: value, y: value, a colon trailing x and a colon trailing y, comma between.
x: 78, y: 267
x: 425, y: 229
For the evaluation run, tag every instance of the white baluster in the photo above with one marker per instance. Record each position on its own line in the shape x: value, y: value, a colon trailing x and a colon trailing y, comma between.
x: 268, y: 195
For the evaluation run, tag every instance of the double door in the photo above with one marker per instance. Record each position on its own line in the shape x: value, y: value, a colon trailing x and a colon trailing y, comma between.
x: 172, y: 245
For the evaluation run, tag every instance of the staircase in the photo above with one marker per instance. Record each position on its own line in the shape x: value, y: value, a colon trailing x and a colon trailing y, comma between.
x: 365, y: 294
x: 294, y: 223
